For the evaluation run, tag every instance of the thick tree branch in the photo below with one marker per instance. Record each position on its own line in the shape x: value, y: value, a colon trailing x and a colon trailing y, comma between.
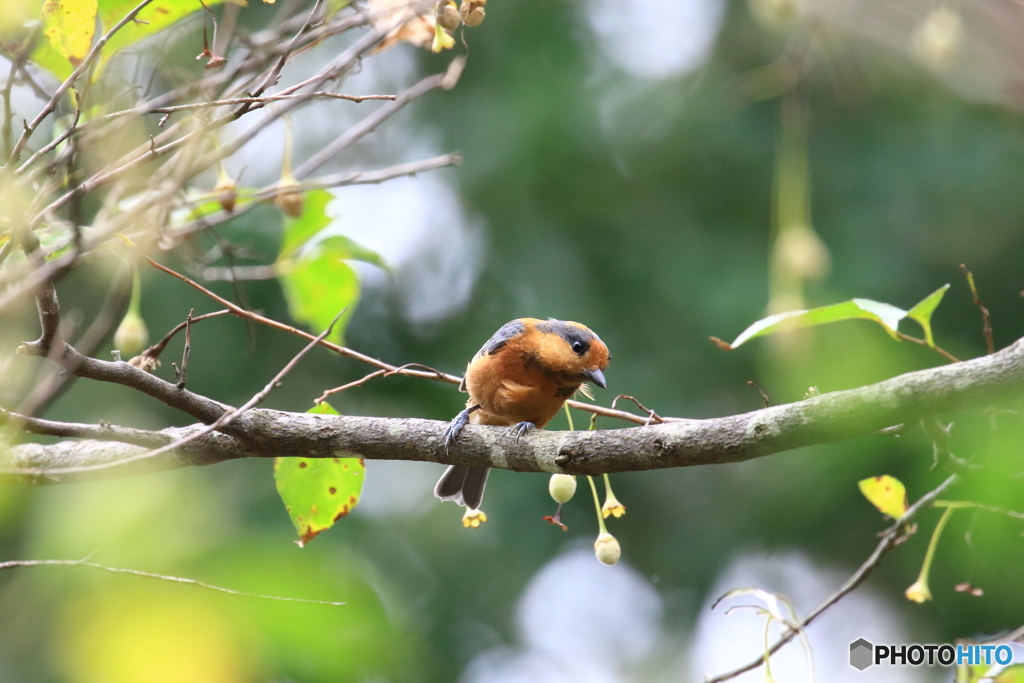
x: 828, y: 418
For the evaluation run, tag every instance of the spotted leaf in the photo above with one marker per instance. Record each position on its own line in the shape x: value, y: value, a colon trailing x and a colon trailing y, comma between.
x: 318, y: 491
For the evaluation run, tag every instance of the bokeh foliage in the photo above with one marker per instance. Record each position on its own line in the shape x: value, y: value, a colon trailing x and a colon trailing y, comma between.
x: 653, y: 228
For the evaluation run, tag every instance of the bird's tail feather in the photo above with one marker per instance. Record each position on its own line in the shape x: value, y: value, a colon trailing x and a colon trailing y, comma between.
x: 464, y: 484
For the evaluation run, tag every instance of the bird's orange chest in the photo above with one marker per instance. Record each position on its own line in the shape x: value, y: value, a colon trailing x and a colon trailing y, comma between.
x: 511, y: 386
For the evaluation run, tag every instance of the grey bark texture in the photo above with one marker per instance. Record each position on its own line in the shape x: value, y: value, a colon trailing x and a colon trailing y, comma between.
x: 829, y: 418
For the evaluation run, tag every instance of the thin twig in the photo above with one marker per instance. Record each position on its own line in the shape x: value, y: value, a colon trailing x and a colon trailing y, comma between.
x: 275, y: 73
x: 182, y: 375
x: 764, y: 396
x: 11, y: 564
x: 381, y: 365
x: 445, y: 81
x: 44, y: 393
x: 320, y: 94
x: 71, y: 80
x: 249, y: 202
x: 223, y: 421
x: 651, y: 415
x: 74, y: 430
x: 986, y: 319
x: 938, y: 349
x: 941, y: 448
x: 980, y: 506
x: 889, y: 539
x: 155, y: 350
x: 377, y: 373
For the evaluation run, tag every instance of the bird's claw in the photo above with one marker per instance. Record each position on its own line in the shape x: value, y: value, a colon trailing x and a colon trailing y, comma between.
x: 522, y: 428
x: 454, y: 427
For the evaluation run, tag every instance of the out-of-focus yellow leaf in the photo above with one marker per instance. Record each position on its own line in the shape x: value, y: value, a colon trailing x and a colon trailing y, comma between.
x: 155, y: 17
x: 70, y: 26
x: 144, y: 633
x: 886, y: 493
x: 13, y: 31
x: 158, y: 15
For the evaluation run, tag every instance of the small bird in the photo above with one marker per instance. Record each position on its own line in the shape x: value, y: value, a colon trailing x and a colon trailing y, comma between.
x: 520, y: 378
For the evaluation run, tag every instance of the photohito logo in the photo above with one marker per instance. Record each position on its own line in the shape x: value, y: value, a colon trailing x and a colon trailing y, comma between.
x: 863, y: 654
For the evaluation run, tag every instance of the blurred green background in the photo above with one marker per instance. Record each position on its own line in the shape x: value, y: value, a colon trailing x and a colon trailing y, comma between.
x: 620, y: 170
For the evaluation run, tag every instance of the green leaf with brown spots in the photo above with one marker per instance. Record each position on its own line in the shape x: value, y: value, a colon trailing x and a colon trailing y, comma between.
x: 70, y: 25
x: 317, y: 492
x: 68, y: 45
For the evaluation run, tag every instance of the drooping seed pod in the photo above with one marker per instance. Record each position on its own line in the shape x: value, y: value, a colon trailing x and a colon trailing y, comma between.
x: 448, y: 16
x: 289, y: 198
x: 607, y: 549
x: 226, y: 190
x: 562, y: 487
x: 132, y: 335
x: 472, y: 12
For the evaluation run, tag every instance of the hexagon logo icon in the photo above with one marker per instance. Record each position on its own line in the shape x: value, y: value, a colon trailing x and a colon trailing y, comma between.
x: 861, y: 654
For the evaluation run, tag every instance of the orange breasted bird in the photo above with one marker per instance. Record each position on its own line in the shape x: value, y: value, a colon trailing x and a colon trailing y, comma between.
x: 520, y: 378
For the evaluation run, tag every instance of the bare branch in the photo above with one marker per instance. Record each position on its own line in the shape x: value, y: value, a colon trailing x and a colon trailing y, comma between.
x: 828, y: 418
x: 889, y: 539
x: 73, y: 430
x: 220, y: 423
x: 447, y: 81
x: 986, y: 318
x: 46, y: 303
x: 335, y: 180
x: 71, y: 80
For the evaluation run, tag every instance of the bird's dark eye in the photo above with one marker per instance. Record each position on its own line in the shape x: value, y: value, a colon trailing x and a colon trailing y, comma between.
x: 579, y: 347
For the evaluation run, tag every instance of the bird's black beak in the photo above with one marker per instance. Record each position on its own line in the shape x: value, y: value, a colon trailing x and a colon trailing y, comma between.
x: 597, y: 377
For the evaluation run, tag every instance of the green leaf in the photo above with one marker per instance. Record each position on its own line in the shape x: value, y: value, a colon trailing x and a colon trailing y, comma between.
x: 317, y: 288
x: 922, y: 312
x: 314, y: 218
x: 886, y: 315
x: 317, y: 492
x: 350, y: 250
x: 70, y: 25
x: 158, y: 15
x: 300, y: 231
x: 318, y: 283
x: 886, y: 493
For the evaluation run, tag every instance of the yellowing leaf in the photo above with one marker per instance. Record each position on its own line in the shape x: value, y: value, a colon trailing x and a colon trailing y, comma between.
x: 318, y: 491
x: 70, y: 26
x: 886, y: 493
x: 157, y: 15
x: 153, y: 18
